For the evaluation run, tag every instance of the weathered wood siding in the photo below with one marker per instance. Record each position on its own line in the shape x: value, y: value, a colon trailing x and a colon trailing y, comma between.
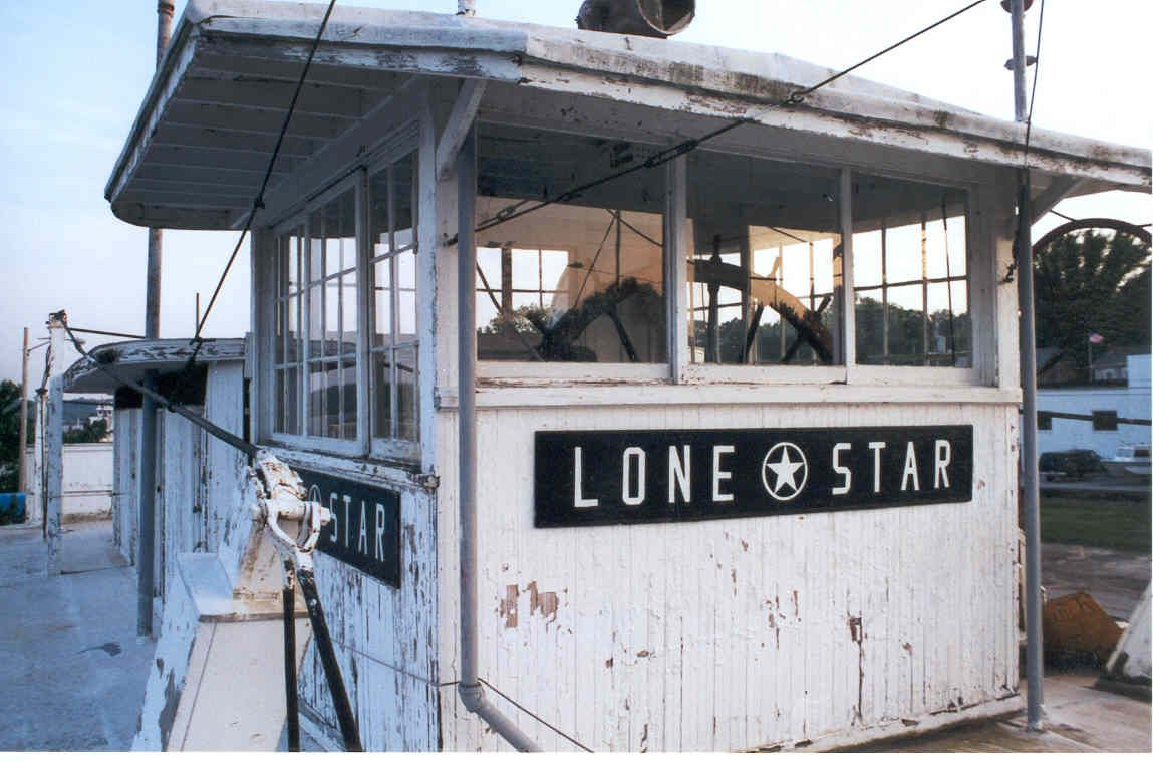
x: 733, y: 634
x: 125, y: 481
x: 385, y: 638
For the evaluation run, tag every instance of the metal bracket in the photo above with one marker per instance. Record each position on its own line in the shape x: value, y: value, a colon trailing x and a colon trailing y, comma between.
x: 283, y: 506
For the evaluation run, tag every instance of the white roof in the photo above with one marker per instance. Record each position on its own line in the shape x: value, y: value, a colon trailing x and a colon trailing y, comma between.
x: 216, y: 103
x: 131, y: 360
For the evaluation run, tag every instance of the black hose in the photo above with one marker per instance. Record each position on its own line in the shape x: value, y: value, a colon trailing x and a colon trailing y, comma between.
x: 348, y: 730
x: 290, y: 705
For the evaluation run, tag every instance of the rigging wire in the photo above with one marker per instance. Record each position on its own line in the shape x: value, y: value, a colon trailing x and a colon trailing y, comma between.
x: 1036, y: 77
x: 258, y: 201
x: 798, y: 96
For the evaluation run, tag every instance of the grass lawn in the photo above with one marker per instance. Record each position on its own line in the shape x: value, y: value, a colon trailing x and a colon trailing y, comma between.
x: 1104, y: 522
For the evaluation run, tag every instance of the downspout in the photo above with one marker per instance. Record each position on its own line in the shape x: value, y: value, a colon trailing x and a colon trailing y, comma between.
x: 471, y: 692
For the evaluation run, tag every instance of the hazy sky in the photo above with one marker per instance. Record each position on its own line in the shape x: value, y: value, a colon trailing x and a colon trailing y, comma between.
x: 75, y: 73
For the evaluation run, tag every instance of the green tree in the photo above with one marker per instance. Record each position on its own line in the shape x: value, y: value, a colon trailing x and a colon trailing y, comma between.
x: 1091, y: 282
x: 93, y: 431
x: 9, y: 435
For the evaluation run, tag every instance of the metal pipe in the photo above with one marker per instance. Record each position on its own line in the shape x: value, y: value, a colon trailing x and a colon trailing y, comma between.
x: 146, y: 538
x: 291, y: 710
x: 146, y: 531
x: 1034, y: 666
x: 471, y: 692
x: 24, y: 416
x: 349, y: 731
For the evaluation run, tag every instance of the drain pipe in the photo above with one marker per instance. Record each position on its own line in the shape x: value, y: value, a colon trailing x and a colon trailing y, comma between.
x: 471, y: 692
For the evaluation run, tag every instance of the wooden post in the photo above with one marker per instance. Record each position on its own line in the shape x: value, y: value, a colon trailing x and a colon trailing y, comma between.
x: 24, y: 417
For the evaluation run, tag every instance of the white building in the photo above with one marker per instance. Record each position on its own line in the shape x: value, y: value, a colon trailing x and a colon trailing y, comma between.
x: 745, y: 420
x: 1104, y: 433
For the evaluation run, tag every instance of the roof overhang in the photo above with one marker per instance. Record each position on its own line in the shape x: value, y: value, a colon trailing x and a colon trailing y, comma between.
x: 131, y: 360
x: 198, y: 150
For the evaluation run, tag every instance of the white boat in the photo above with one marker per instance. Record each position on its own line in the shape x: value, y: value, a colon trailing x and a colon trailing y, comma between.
x: 1130, y: 460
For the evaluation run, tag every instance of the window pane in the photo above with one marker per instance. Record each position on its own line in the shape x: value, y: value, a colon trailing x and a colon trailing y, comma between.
x: 381, y: 395
x: 766, y: 260
x: 906, y: 319
x: 909, y: 238
x: 406, y: 403
x: 392, y: 231
x: 287, y: 400
x: 578, y: 281
x: 406, y: 296
x: 348, y: 397
x: 382, y: 302
x: 870, y: 326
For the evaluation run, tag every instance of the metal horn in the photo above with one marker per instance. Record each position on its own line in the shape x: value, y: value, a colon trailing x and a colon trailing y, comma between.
x: 647, y: 18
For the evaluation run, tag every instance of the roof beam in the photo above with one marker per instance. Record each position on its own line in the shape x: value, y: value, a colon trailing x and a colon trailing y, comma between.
x: 271, y: 95
x: 199, y: 137
x: 213, y: 159
x: 460, y: 121
x: 210, y: 63
x: 254, y: 121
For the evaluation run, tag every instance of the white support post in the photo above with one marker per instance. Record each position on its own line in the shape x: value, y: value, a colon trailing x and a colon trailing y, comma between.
x: 53, y: 485
x: 460, y: 121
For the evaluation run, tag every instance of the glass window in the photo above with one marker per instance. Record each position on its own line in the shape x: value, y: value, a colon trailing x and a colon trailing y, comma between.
x: 909, y: 273
x: 288, y: 350
x: 392, y: 270
x: 319, y: 290
x: 579, y: 280
x: 764, y: 269
x: 332, y: 319
x: 1104, y: 420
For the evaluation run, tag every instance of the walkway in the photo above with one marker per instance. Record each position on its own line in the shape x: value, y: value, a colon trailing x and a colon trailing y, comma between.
x: 73, y: 672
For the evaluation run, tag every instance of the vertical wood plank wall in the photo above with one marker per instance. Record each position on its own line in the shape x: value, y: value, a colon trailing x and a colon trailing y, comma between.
x: 385, y: 638
x: 739, y: 633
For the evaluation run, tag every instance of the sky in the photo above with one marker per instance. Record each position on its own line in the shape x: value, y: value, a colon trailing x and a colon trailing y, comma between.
x: 75, y: 74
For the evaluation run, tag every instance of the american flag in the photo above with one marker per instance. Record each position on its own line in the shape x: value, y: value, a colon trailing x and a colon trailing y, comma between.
x: 1096, y: 338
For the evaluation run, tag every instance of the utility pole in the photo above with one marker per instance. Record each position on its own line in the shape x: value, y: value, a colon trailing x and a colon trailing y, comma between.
x: 146, y: 555
x: 1029, y: 476
x: 24, y: 418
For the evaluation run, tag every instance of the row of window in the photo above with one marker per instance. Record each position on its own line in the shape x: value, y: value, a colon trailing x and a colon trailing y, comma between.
x: 586, y: 280
x: 1103, y: 420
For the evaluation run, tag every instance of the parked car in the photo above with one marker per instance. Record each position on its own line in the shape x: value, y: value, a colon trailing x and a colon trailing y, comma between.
x: 1075, y: 464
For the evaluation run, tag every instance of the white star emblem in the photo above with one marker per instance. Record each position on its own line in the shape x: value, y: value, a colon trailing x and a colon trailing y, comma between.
x: 790, y: 471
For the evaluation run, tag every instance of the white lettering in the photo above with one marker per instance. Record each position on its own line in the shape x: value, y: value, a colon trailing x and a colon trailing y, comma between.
x: 347, y: 499
x: 876, y: 447
x: 332, y: 509
x: 627, y: 496
x: 578, y: 501
x: 679, y: 474
x: 942, y: 457
x: 719, y: 475
x: 378, y: 549
x: 362, y: 541
x: 910, y: 469
x: 841, y: 470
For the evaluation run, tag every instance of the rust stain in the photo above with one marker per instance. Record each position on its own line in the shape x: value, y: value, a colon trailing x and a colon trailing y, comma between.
x: 744, y: 545
x: 609, y: 662
x: 546, y: 602
x: 643, y: 654
x: 645, y: 738
x: 508, y: 605
x: 855, y: 628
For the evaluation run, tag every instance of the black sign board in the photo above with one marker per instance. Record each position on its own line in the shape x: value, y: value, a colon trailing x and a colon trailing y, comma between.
x: 365, y: 528
x: 588, y: 478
